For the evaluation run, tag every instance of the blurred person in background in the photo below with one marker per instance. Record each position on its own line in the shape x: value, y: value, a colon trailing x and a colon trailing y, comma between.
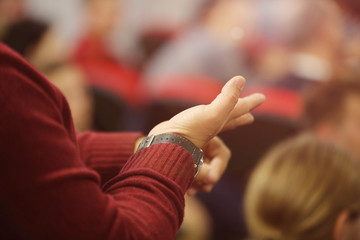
x: 11, y: 11
x: 94, y: 54
x: 281, y: 43
x: 351, y: 55
x: 305, y: 188
x: 300, y: 43
x: 211, y: 46
x: 39, y: 43
x: 332, y: 112
x: 350, y: 65
x: 332, y: 107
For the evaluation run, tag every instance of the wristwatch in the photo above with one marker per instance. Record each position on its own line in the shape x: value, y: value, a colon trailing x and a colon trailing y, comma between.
x: 196, y: 153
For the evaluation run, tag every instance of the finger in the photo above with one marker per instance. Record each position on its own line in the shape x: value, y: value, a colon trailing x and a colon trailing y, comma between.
x: 217, y: 166
x: 204, y: 171
x: 247, y: 104
x: 208, y: 187
x: 200, y: 186
x: 225, y: 102
x: 196, y: 186
x: 240, y: 121
x: 192, y: 191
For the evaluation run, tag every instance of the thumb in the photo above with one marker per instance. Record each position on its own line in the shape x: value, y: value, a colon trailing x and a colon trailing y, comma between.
x: 225, y: 102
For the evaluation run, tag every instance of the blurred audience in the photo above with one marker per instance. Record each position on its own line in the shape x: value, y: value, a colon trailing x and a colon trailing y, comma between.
x: 350, y: 56
x: 93, y: 54
x: 278, y: 43
x: 305, y: 188
x: 208, y: 47
x: 40, y: 45
x: 303, y: 201
x: 300, y: 47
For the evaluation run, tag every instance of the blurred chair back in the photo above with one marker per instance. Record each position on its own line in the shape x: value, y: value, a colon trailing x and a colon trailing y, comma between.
x: 109, y: 110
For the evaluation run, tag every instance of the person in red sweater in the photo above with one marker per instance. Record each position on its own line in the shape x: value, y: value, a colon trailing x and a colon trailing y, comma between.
x: 56, y: 184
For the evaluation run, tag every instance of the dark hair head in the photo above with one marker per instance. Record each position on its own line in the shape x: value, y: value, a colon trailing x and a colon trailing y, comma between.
x: 326, y: 101
x: 25, y: 34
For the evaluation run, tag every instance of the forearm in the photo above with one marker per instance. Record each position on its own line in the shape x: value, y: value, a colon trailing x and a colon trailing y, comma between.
x: 106, y: 153
x: 144, y: 201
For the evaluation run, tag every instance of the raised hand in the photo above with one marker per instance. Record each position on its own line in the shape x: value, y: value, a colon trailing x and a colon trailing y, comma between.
x: 203, y: 122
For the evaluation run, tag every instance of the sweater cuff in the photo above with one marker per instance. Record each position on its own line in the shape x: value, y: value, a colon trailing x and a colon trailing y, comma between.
x: 168, y: 159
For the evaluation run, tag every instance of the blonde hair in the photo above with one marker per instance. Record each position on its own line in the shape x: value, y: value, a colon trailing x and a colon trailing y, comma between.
x: 299, y: 188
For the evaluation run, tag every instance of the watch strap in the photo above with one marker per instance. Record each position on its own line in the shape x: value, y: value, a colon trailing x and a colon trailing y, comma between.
x: 195, y: 152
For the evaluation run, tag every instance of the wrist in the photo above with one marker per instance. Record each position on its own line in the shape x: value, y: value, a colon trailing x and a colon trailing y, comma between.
x: 195, y: 152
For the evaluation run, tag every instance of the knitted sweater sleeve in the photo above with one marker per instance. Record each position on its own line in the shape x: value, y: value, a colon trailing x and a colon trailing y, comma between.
x: 47, y: 190
x: 106, y: 153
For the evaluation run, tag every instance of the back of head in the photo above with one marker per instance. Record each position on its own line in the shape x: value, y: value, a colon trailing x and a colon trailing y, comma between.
x: 299, y: 189
x: 325, y: 103
x: 24, y: 35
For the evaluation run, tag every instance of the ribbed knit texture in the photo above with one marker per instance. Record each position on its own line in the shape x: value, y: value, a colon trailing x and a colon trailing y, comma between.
x: 50, y: 176
x: 160, y: 154
x: 106, y: 152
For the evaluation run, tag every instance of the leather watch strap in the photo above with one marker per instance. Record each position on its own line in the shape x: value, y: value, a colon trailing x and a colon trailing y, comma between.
x: 195, y: 152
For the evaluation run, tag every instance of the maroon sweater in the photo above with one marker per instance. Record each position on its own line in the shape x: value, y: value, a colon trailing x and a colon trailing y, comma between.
x: 50, y: 179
